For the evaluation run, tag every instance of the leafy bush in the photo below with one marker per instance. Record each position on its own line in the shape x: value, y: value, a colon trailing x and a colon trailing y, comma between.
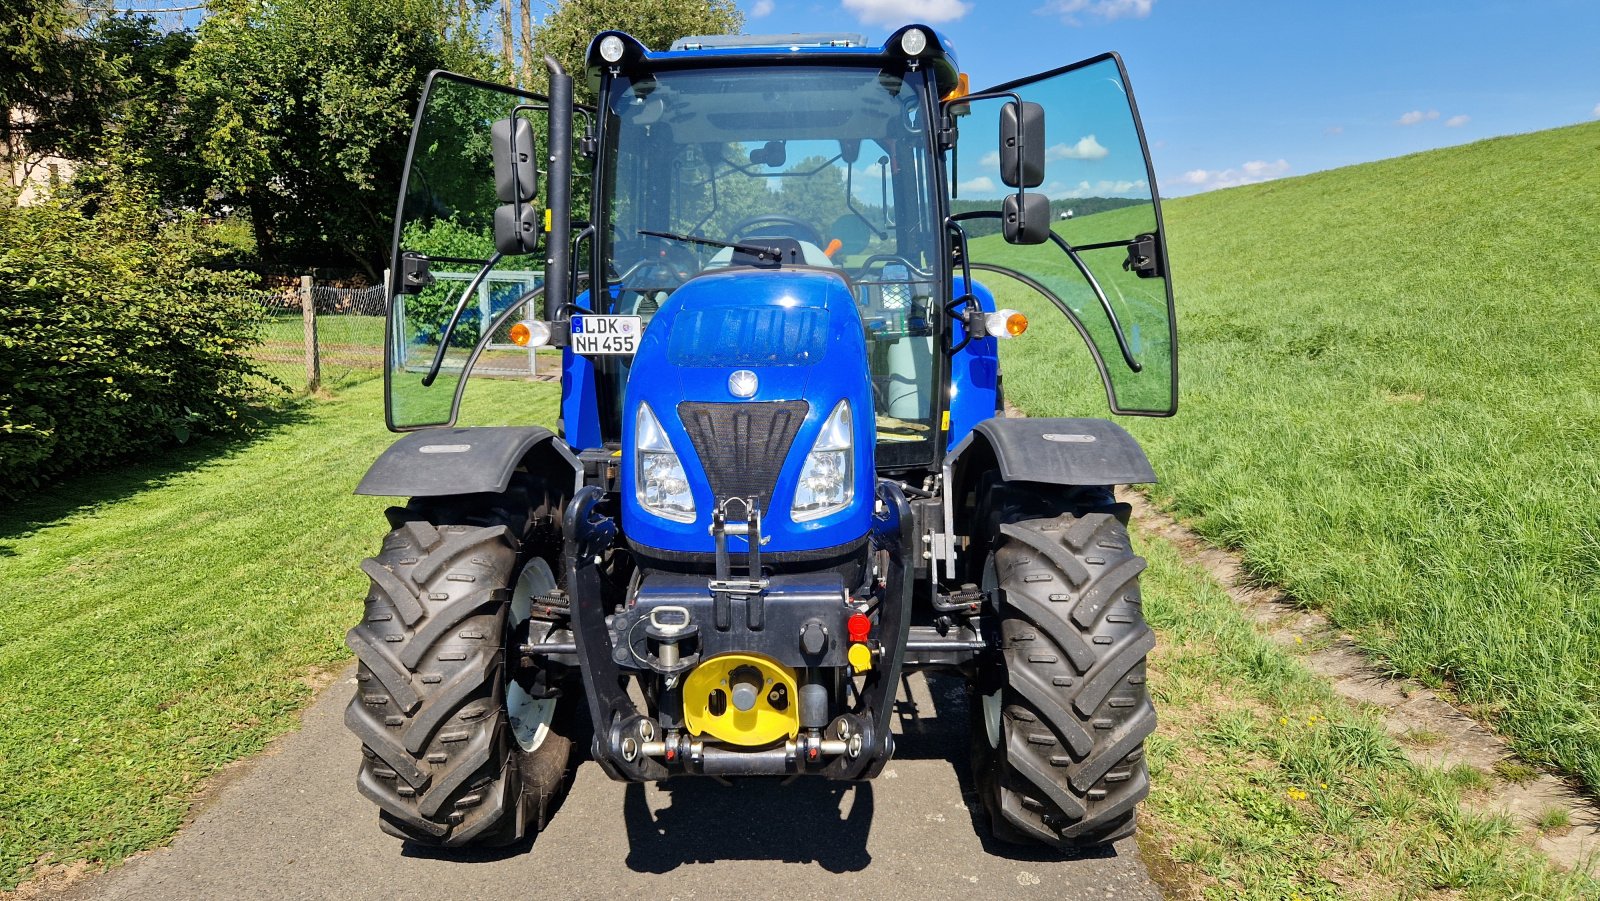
x: 114, y: 337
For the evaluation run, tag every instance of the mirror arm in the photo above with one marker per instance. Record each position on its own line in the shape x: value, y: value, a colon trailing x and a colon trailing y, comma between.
x: 953, y: 226
x: 1105, y: 303
x: 455, y: 317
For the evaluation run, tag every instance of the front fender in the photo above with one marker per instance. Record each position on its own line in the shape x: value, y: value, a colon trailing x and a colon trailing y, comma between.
x: 1076, y: 452
x: 440, y: 462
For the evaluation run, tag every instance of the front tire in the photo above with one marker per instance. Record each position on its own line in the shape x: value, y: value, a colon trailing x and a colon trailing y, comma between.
x: 439, y: 755
x: 1061, y: 713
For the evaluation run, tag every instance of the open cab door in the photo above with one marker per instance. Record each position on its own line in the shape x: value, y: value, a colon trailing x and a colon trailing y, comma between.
x: 1061, y: 200
x: 470, y: 220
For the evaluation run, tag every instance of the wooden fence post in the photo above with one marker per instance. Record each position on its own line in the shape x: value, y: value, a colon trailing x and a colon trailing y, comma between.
x: 308, y: 311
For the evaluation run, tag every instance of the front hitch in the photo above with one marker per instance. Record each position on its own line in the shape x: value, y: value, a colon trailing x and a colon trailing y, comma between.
x: 633, y: 747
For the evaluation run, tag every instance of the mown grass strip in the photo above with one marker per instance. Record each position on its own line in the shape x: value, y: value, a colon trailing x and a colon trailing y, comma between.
x: 1266, y: 785
x: 1390, y: 404
x: 159, y: 622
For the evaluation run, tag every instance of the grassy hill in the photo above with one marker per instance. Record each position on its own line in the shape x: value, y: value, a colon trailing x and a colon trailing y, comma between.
x: 1390, y: 403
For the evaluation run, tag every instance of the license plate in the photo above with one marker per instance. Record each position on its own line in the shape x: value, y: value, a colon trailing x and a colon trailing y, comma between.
x: 601, y: 335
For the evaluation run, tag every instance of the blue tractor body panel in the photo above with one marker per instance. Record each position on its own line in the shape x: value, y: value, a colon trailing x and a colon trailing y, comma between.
x: 974, y: 371
x: 580, y: 405
x: 799, y: 332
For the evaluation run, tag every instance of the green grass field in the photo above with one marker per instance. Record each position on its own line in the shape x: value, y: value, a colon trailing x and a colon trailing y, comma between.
x: 1390, y: 405
x: 167, y: 616
x: 181, y: 612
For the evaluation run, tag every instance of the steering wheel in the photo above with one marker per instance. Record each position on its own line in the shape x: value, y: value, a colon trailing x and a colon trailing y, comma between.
x: 791, y: 228
x: 663, y: 268
x: 664, y: 264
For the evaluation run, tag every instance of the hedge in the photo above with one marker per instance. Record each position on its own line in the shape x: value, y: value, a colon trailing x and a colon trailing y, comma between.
x: 114, y: 337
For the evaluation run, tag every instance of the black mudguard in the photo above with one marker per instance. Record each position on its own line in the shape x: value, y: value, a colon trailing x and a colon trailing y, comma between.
x: 441, y: 462
x: 1079, y: 452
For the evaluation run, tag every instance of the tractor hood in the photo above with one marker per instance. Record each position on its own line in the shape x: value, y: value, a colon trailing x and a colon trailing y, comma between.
x: 742, y: 368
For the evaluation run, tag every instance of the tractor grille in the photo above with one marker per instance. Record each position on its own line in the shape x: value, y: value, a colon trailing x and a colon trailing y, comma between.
x: 742, y: 446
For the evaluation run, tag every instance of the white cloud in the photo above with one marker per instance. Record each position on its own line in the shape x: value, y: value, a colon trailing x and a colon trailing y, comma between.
x: 1104, y: 188
x: 1333, y: 130
x: 1457, y: 121
x: 1416, y: 116
x: 899, y: 12
x: 1087, y: 148
x: 1245, y: 174
x: 990, y: 160
x: 1596, y: 112
x: 761, y: 8
x: 1105, y: 10
x: 981, y: 185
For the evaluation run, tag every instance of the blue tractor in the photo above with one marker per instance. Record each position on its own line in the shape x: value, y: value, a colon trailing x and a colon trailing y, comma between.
x: 783, y: 475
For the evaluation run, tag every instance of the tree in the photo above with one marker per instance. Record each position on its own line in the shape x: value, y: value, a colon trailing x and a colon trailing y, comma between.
x: 140, y: 125
x: 302, y: 108
x: 49, y: 78
x: 568, y: 28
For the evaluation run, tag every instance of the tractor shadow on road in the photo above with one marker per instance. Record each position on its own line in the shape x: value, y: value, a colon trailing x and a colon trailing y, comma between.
x: 808, y: 821
x: 812, y: 820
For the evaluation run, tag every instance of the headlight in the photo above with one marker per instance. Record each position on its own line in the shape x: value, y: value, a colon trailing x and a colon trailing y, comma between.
x: 659, y: 480
x: 827, y: 481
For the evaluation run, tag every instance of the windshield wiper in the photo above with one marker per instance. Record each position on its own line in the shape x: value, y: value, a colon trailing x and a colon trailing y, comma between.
x: 759, y: 251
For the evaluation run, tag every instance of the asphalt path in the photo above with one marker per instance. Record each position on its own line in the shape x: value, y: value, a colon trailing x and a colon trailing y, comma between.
x: 290, y: 824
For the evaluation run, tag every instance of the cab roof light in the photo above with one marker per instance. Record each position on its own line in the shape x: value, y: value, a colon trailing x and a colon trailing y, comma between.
x: 913, y: 41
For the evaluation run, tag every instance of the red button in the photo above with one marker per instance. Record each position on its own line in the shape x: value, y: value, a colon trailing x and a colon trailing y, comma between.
x: 858, y: 626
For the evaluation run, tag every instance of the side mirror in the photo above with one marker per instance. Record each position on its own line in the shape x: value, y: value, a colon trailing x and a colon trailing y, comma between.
x: 1025, y: 218
x: 1022, y: 145
x: 516, y: 178
x: 516, y: 184
x: 516, y: 229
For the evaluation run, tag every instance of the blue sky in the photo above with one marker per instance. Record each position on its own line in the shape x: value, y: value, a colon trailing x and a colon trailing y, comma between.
x: 1233, y: 91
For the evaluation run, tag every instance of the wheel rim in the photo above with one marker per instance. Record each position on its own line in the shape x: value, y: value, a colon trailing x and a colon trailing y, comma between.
x: 991, y: 703
x: 530, y: 717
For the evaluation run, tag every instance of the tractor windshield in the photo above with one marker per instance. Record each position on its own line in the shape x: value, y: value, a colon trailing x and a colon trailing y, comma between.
x: 830, y: 165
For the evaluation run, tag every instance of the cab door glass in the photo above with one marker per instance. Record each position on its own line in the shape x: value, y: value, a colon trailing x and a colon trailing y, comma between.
x: 1102, y: 207
x: 447, y: 215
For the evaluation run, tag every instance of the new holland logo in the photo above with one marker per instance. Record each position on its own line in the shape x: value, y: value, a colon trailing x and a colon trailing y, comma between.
x: 743, y: 383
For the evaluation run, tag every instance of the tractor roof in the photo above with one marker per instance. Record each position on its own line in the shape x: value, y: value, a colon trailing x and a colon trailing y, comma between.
x: 701, y: 51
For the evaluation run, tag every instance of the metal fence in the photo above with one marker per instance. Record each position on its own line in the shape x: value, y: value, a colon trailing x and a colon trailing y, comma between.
x: 316, y: 337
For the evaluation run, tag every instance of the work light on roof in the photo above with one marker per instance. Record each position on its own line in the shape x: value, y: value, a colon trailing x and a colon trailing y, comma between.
x: 611, y: 48
x: 914, y: 41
